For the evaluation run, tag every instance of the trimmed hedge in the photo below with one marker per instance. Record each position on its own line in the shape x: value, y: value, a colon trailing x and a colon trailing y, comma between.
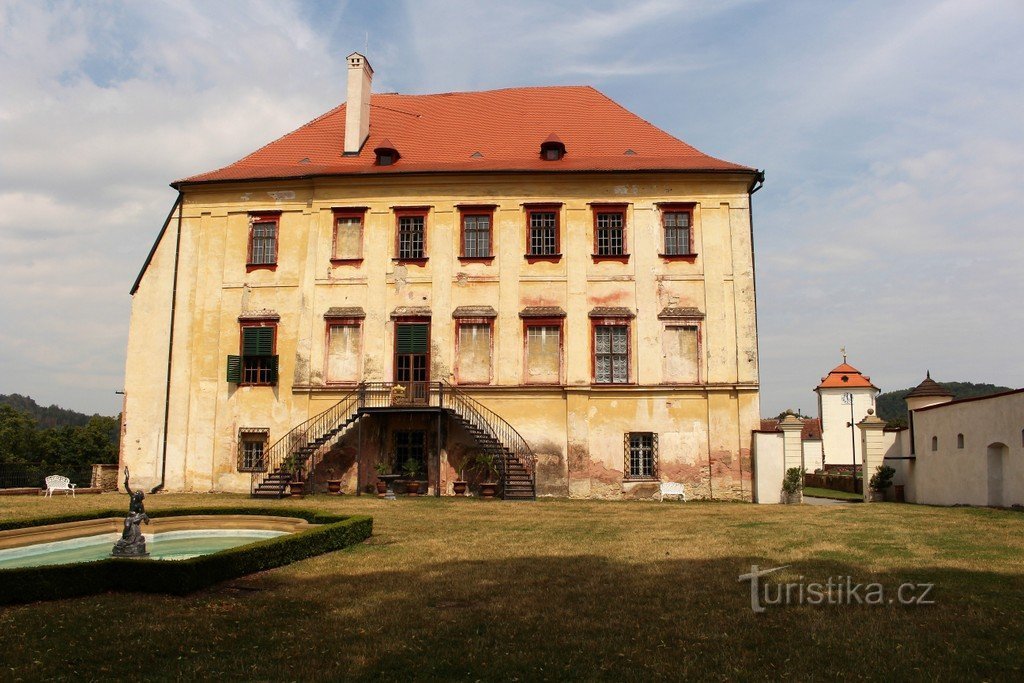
x: 179, y: 577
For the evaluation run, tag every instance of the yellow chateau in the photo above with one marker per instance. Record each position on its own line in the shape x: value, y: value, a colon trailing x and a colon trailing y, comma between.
x: 410, y: 285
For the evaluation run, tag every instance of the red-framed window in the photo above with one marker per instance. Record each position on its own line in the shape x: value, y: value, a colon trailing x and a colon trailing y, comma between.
x: 257, y: 364
x: 543, y: 343
x: 612, y: 355
x: 347, y: 235
x: 343, y: 350
x: 263, y: 239
x: 543, y: 232
x: 476, y: 232
x: 677, y: 230
x: 474, y: 350
x: 411, y: 234
x: 610, y: 232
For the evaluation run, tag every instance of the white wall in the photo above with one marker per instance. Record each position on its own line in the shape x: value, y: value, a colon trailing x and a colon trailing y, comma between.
x: 768, y: 459
x: 952, y: 475
x: 812, y: 455
x: 835, y: 434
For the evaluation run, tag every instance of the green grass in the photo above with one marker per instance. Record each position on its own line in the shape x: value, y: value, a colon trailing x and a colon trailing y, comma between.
x: 557, y: 589
x: 830, y: 493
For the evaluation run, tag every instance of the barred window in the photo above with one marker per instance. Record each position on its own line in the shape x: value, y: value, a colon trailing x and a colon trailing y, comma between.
x: 677, y: 233
x: 410, y: 237
x: 543, y: 233
x: 611, y: 354
x: 610, y: 234
x: 641, y: 453
x: 252, y: 448
x: 476, y: 235
x: 263, y: 243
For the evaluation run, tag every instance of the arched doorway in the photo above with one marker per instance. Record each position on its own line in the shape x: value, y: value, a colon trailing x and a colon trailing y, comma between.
x: 996, y: 456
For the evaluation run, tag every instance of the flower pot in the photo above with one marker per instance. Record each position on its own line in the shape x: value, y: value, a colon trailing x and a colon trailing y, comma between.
x: 296, y: 488
x: 459, y: 488
x: 412, y: 488
x: 334, y: 486
x: 876, y: 496
x: 382, y: 488
x: 794, y: 498
x: 488, y: 489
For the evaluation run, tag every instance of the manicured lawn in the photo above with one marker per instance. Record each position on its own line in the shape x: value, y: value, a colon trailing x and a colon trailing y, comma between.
x: 559, y: 589
x: 830, y: 493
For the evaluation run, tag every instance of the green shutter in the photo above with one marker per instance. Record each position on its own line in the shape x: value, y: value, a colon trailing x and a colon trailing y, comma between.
x: 235, y: 369
x: 273, y: 369
x: 257, y: 341
x: 411, y: 338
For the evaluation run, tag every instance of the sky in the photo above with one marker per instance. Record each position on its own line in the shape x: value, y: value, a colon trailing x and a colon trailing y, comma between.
x: 890, y: 133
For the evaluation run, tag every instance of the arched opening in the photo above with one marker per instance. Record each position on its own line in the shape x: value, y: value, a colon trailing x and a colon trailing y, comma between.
x: 959, y: 440
x: 935, y: 443
x: 997, y: 453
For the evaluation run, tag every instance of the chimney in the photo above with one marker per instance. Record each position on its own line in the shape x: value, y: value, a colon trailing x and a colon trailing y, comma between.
x: 357, y: 106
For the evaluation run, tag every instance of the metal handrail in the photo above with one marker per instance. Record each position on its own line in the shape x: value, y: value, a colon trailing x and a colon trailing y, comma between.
x: 489, y: 421
x: 302, y: 436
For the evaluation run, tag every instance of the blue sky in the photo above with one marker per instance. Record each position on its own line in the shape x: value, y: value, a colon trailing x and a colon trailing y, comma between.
x: 890, y: 133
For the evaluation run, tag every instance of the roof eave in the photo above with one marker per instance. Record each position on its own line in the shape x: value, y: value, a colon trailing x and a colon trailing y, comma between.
x: 743, y: 171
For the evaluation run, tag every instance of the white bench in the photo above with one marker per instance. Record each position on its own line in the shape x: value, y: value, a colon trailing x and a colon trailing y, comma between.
x: 671, y: 488
x: 56, y: 482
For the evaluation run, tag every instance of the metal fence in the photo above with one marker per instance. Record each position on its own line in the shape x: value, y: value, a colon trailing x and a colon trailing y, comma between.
x: 33, y: 475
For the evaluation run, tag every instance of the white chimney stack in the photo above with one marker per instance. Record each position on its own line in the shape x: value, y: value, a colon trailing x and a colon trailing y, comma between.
x: 357, y: 105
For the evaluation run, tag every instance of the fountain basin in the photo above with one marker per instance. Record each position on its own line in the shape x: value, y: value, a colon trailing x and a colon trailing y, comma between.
x: 189, y: 550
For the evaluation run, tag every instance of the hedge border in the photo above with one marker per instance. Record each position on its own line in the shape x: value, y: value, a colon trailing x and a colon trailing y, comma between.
x: 180, y: 577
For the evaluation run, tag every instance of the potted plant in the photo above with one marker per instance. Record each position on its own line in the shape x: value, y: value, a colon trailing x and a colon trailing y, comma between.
x: 412, y: 470
x: 382, y: 486
x: 488, y: 466
x: 459, y: 486
x: 792, y: 485
x: 290, y: 467
x: 880, y: 481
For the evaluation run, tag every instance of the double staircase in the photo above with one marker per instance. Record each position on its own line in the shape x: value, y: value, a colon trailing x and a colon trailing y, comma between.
x: 296, y: 454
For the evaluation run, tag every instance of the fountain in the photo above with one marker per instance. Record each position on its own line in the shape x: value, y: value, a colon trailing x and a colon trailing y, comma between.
x: 132, y: 543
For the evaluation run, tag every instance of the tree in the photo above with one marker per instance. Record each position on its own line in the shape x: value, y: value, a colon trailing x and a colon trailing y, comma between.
x: 18, y: 436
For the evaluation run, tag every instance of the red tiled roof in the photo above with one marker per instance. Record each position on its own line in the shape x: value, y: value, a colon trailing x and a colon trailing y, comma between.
x: 811, y: 428
x: 493, y: 130
x: 845, y: 375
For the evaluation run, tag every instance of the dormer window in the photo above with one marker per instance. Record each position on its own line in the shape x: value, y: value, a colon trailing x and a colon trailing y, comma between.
x: 552, y: 149
x: 386, y: 153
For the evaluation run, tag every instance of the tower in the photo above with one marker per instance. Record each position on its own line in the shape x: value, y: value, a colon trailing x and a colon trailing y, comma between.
x: 844, y: 396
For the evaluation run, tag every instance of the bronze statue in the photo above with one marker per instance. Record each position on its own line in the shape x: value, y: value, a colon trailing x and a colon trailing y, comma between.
x: 132, y: 543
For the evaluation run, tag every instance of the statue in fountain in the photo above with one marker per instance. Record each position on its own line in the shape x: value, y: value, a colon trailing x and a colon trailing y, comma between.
x: 132, y: 543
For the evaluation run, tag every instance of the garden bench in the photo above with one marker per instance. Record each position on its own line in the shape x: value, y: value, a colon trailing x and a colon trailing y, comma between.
x: 671, y: 488
x: 56, y: 482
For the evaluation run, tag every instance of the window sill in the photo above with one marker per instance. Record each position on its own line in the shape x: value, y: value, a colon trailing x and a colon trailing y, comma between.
x: 620, y: 258
x: 613, y: 384
x: 689, y: 258
x: 257, y: 384
x: 641, y: 480
x: 246, y: 470
x: 476, y: 259
x: 249, y: 267
x: 346, y: 261
x: 543, y: 258
x: 422, y: 261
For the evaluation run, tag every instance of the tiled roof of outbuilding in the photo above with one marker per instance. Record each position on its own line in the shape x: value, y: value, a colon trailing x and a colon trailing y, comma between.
x: 929, y: 387
x: 492, y: 130
x: 845, y: 375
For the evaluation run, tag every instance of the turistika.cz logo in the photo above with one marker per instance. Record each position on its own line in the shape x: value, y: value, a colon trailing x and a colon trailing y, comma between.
x: 837, y: 590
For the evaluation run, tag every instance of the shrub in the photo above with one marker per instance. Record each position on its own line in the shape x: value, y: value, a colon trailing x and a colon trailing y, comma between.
x: 180, y: 577
x: 793, y: 482
x: 882, y: 478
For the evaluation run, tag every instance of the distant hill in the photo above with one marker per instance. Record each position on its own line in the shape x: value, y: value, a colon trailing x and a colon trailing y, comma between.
x: 47, y: 417
x: 892, y: 405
